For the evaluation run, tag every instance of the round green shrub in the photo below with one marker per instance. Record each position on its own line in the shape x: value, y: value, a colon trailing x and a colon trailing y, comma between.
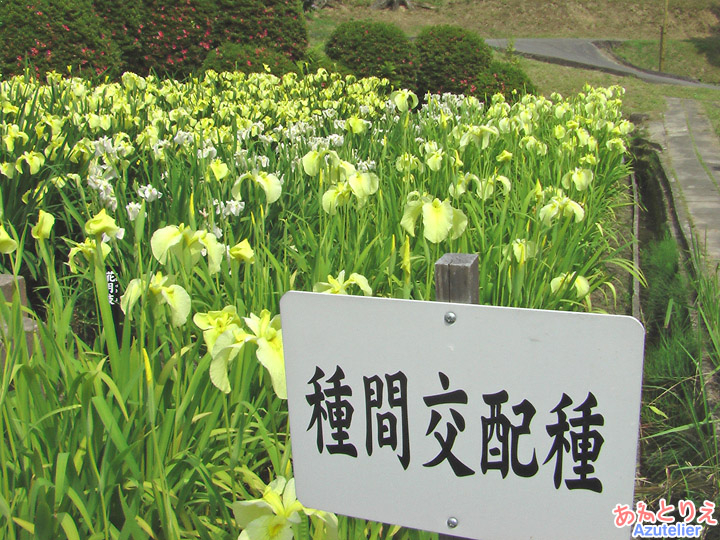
x: 248, y: 59
x: 278, y: 24
x: 369, y: 48
x: 450, y: 59
x: 54, y: 35
x: 503, y: 78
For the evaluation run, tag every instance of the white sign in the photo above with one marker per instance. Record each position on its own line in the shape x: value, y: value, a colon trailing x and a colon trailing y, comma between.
x: 476, y: 421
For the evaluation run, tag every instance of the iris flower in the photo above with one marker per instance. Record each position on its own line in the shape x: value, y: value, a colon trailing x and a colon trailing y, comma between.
x: 34, y: 160
x: 404, y: 100
x: 215, y: 323
x: 561, y: 206
x: 581, y: 178
x: 408, y: 162
x: 242, y: 252
x: 14, y: 132
x: 219, y: 169
x: 41, y: 230
x: 486, y: 186
x: 339, y: 285
x: 103, y: 224
x: 581, y: 284
x: 360, y: 184
x: 356, y: 125
x: 270, y: 183
x: 440, y: 219
x: 7, y: 244
x: 174, y: 239
x: 434, y: 159
x: 162, y: 292
x: 363, y: 184
x: 522, y: 249
x: 461, y: 184
x: 479, y: 135
x: 273, y: 516
x: 87, y: 249
x: 337, y: 195
x: 225, y: 348
x: 266, y: 333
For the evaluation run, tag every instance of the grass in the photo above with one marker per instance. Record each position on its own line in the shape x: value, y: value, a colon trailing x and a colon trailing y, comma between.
x: 563, y: 18
x: 679, y: 444
x: 695, y: 58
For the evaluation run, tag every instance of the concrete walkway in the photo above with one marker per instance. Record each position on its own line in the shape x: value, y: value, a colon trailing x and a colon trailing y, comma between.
x: 691, y: 159
x: 586, y: 53
x: 690, y: 148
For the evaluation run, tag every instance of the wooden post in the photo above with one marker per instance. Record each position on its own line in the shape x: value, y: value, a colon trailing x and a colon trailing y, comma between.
x: 457, y: 281
x: 456, y: 278
x: 8, y: 286
x: 663, y: 30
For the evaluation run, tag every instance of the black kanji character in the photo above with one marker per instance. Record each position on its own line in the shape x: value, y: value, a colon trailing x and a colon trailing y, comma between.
x: 387, y: 422
x: 584, y: 444
x: 340, y: 413
x: 498, y: 425
x: 560, y: 444
x: 316, y: 400
x: 447, y: 442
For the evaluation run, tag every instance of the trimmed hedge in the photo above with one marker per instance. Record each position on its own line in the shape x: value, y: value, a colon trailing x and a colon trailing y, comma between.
x: 503, y: 78
x: 279, y: 24
x: 174, y: 35
x: 170, y: 37
x: 451, y: 59
x: 369, y: 48
x: 55, y: 35
x: 248, y: 59
x: 123, y: 21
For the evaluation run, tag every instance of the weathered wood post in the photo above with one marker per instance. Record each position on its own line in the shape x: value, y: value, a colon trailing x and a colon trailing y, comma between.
x: 8, y: 284
x: 457, y: 281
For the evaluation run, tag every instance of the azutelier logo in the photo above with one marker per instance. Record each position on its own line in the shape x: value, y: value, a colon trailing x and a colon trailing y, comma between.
x: 664, y: 523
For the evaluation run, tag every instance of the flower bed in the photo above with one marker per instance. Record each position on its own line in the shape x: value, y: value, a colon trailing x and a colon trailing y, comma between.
x: 207, y: 201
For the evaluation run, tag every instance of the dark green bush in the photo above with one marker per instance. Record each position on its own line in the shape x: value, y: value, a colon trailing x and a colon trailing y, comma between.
x: 503, y: 78
x: 123, y: 20
x: 451, y: 59
x: 175, y: 36
x: 248, y: 59
x: 279, y: 24
x: 54, y: 35
x: 369, y: 48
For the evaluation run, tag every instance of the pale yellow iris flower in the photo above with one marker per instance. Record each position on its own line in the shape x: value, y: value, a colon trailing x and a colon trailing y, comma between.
x: 7, y: 244
x: 581, y: 284
x: 339, y: 285
x: 41, y: 231
x: 162, y: 292
x: 440, y: 219
x: 177, y: 238
x: 272, y: 517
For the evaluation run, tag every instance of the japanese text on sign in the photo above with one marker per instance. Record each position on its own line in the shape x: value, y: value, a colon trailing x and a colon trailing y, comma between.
x: 575, y: 436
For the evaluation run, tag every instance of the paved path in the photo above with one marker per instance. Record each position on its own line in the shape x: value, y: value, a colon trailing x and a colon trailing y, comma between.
x: 691, y: 159
x: 690, y: 148
x: 585, y: 53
